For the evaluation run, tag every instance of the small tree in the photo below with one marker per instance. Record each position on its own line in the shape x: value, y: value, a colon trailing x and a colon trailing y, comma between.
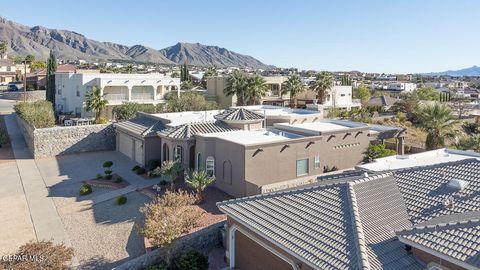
x: 199, y: 180
x: 94, y: 102
x: 169, y: 217
x: 170, y: 170
x: 40, y: 255
x: 51, y: 69
x: 375, y: 151
x: 363, y: 93
x: 108, y: 169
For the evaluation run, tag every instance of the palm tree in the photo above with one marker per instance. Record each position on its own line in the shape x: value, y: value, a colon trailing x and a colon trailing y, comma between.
x: 170, y: 170
x: 237, y: 85
x: 94, y: 102
x: 211, y: 72
x: 256, y: 89
x: 294, y: 85
x: 437, y: 121
x: 323, y: 83
x: 199, y: 180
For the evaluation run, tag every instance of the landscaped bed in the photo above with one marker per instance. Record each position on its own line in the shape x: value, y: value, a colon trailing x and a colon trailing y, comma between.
x: 116, y: 182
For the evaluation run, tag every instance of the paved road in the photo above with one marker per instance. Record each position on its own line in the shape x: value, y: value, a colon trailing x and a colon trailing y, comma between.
x: 6, y: 105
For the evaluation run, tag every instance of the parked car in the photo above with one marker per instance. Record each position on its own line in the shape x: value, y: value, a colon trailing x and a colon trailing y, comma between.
x: 15, y: 86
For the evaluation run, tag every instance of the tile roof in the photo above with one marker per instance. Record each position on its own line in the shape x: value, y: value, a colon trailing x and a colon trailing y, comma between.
x: 186, y: 131
x: 382, y: 101
x: 239, y: 114
x: 425, y: 190
x: 316, y: 223
x: 359, y: 216
x: 460, y: 240
x: 141, y: 125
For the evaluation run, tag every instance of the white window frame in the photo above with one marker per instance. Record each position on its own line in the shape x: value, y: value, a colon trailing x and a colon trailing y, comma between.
x: 178, y: 153
x: 316, y: 162
x: 210, y: 165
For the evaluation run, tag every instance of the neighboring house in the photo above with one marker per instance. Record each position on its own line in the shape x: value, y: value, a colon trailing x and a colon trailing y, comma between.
x: 273, y: 96
x: 401, y: 86
x: 385, y: 101
x: 7, y: 71
x: 38, y: 79
x: 423, y: 217
x: 115, y: 88
x: 254, y: 150
x: 339, y: 96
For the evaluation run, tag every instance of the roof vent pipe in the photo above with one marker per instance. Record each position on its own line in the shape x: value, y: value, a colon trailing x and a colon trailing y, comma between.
x: 457, y: 184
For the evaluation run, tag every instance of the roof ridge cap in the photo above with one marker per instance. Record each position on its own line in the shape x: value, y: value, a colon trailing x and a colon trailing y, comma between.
x: 369, y: 178
x: 358, y: 229
x: 438, y: 225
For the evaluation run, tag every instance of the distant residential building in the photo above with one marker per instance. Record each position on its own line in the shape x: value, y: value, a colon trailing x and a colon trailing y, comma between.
x: 116, y: 89
x: 38, y: 79
x: 385, y: 101
x: 7, y: 71
x: 401, y: 86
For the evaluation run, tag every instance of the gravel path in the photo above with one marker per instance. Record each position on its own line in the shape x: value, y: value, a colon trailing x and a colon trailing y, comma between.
x: 103, y: 236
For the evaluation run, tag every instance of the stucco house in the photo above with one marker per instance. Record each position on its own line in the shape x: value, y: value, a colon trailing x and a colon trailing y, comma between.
x: 249, y: 151
x: 415, y: 217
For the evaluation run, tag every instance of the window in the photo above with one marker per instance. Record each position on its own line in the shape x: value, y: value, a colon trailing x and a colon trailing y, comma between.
x: 210, y: 166
x: 9, y: 68
x: 178, y: 153
x: 317, y: 162
x: 302, y: 167
x: 199, y: 161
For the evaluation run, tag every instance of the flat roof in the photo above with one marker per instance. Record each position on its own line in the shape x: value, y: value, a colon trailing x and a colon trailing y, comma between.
x: 270, y: 110
x: 433, y: 157
x: 317, y: 128
x: 247, y: 137
x: 180, y: 118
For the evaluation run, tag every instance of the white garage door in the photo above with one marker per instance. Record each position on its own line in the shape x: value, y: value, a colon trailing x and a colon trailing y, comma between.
x: 125, y: 145
x: 139, y: 151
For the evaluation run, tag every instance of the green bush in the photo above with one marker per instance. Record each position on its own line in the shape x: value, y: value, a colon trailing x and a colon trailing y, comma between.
x: 135, y: 168
x: 155, y: 172
x: 107, y: 164
x: 121, y: 200
x: 402, y: 117
x: 101, y: 120
x: 85, y: 189
x: 192, y: 260
x: 38, y: 114
x: 118, y: 180
x: 375, y: 151
x: 140, y: 170
x: 99, y: 176
x: 129, y: 110
x: 160, y: 266
x: 153, y: 164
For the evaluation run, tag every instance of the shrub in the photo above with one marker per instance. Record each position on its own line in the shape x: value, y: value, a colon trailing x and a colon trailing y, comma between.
x: 99, y: 176
x: 199, y: 180
x: 108, y: 172
x: 38, y: 114
x: 85, y: 189
x: 108, y: 176
x: 130, y: 109
x: 155, y: 172
x: 121, y: 200
x: 402, y: 117
x: 153, y: 164
x: 471, y: 128
x: 135, y: 168
x: 192, y: 260
x: 101, y: 120
x: 107, y: 164
x: 375, y: 151
x: 118, y: 180
x: 140, y: 170
x: 163, y: 182
x: 160, y: 266
x: 55, y: 256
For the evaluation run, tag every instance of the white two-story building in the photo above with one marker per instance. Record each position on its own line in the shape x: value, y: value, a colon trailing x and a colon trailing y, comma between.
x: 115, y: 88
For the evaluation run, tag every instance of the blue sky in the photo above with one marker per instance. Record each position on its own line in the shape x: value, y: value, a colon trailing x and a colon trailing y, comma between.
x: 373, y: 36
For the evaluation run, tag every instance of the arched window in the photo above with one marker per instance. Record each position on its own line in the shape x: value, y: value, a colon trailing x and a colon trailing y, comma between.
x: 166, y: 152
x: 227, y: 171
x: 210, y: 166
x: 199, y: 162
x: 178, y: 153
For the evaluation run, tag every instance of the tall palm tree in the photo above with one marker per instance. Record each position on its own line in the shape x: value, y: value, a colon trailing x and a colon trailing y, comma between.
x: 94, y: 102
x: 437, y: 121
x: 237, y: 85
x: 294, y: 85
x: 256, y: 89
x: 323, y: 83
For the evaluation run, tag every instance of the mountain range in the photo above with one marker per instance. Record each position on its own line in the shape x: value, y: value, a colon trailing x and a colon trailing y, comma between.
x: 69, y: 45
x: 471, y: 71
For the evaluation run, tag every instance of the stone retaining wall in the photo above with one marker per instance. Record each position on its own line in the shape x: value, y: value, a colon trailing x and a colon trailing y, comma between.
x: 31, y: 95
x: 202, y: 241
x: 49, y: 142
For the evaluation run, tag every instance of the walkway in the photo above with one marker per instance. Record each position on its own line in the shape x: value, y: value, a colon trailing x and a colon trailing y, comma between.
x: 46, y: 221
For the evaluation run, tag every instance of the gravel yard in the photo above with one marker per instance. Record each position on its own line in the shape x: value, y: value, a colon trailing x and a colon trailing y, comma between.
x: 106, y: 229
